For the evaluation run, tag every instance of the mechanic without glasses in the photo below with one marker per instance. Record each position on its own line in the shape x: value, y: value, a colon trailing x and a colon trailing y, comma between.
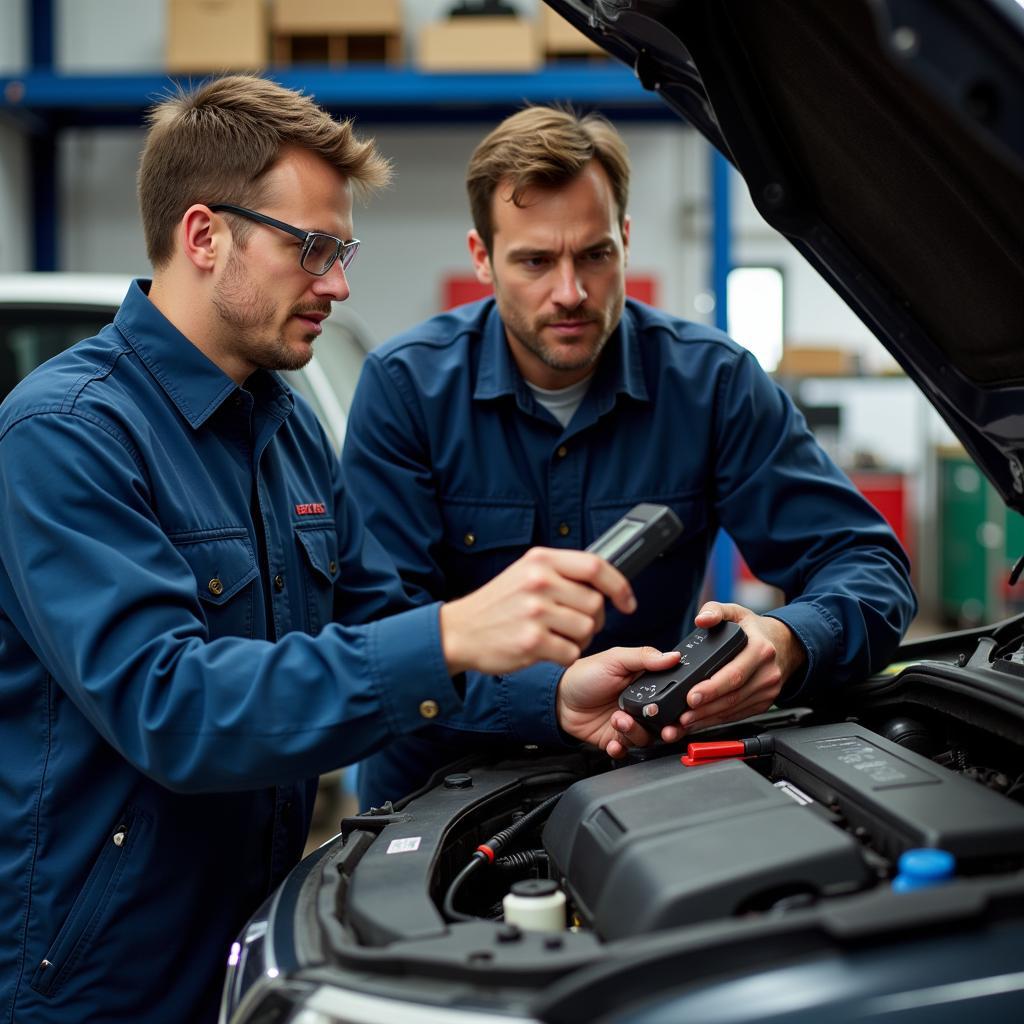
x: 194, y: 622
x: 539, y: 416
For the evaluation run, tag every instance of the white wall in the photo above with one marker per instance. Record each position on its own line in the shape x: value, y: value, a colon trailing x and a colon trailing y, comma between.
x: 13, y: 41
x: 14, y: 191
x: 107, y: 36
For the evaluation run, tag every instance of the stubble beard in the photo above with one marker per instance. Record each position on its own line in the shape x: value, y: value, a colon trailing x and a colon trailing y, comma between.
x: 248, y: 318
x: 580, y: 355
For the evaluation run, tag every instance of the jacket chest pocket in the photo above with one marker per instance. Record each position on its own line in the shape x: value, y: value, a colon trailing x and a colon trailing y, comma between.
x: 481, y: 539
x: 224, y: 565
x: 319, y: 556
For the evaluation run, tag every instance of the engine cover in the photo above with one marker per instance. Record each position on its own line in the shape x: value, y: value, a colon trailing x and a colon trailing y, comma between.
x: 656, y: 845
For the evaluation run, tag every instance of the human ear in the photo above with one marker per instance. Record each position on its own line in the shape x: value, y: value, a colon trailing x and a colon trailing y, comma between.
x: 202, y: 237
x: 481, y: 259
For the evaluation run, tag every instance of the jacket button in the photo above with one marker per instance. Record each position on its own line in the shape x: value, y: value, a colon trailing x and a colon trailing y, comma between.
x: 469, y: 540
x: 332, y: 567
x: 119, y: 838
x: 215, y: 586
x: 563, y: 529
x: 562, y: 451
x: 279, y: 583
x: 429, y: 709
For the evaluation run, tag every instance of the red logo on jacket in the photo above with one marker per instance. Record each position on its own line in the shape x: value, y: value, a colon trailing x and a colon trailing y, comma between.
x: 313, y: 508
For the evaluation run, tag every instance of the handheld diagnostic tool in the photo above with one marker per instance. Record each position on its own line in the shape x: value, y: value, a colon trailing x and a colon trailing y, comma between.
x: 638, y: 538
x: 704, y: 652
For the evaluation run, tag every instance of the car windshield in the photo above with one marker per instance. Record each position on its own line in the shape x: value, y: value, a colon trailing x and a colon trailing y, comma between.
x: 30, y: 336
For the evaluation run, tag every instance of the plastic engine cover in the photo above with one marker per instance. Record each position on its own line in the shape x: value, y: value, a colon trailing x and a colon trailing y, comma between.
x: 657, y: 845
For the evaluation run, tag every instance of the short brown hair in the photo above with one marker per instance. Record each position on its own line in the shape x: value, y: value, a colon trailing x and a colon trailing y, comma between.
x: 545, y: 146
x: 213, y: 145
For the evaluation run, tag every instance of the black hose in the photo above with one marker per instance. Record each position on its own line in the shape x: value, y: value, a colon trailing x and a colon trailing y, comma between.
x: 494, y: 845
x: 448, y: 906
x: 522, y: 859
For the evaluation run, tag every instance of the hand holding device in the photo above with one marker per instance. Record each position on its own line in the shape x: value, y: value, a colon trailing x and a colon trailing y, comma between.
x: 702, y: 653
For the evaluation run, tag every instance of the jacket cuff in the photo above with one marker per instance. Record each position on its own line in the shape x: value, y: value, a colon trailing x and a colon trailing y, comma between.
x: 528, y: 702
x: 408, y: 666
x: 821, y: 636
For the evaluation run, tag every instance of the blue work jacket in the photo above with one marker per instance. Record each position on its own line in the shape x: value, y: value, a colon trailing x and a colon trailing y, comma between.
x: 458, y: 470
x: 185, y: 588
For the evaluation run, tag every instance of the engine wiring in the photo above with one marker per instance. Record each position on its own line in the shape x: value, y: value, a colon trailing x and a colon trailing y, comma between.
x: 487, y: 854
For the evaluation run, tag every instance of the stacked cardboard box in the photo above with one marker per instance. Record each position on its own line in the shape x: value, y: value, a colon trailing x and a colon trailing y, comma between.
x: 337, y: 31
x: 216, y: 35
x: 480, y: 43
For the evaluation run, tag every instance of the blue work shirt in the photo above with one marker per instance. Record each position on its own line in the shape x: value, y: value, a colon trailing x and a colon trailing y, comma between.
x: 458, y: 469
x: 185, y: 589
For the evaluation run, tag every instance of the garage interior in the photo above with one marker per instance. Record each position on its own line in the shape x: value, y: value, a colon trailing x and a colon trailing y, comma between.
x: 77, y: 75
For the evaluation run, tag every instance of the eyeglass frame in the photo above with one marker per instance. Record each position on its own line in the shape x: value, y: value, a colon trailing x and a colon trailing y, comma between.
x: 346, y: 250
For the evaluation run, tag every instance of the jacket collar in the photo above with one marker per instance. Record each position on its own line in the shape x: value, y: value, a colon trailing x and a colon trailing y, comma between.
x: 195, y: 384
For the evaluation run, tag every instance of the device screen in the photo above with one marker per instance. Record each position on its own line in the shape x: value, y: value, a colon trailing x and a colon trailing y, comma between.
x: 620, y: 533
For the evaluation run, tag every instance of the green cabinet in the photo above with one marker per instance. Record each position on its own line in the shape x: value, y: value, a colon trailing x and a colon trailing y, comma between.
x: 979, y: 541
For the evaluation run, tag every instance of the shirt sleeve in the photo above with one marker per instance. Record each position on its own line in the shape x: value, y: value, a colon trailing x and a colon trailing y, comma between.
x: 108, y: 606
x: 803, y: 527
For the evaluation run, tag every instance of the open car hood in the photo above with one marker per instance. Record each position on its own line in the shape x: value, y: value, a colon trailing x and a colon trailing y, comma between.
x: 885, y: 140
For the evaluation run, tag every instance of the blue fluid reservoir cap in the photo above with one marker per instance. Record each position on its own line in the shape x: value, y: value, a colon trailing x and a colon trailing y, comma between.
x: 919, y: 868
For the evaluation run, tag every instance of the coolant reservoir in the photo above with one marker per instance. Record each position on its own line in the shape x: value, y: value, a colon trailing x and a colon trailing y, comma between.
x: 535, y: 904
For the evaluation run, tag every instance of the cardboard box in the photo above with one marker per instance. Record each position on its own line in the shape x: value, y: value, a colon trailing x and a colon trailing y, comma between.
x: 817, y: 361
x: 479, y: 43
x: 326, y: 17
x: 560, y: 38
x: 216, y: 35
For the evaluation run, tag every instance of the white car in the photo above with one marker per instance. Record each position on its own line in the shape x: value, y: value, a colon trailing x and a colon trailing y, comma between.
x: 42, y: 314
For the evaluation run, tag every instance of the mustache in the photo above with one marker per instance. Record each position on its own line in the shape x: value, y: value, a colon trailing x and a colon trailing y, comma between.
x: 572, y: 318
x: 323, y: 308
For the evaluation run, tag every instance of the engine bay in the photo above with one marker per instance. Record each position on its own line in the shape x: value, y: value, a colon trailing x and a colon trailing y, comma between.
x: 788, y: 847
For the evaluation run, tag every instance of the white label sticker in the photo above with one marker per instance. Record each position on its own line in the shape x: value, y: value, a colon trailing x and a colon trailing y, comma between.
x: 404, y: 845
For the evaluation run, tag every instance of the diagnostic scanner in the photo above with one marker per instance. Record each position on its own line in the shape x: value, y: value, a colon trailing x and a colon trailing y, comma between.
x: 702, y: 653
x: 638, y: 538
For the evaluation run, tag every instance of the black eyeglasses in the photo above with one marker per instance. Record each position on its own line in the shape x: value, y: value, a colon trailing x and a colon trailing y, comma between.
x: 319, y: 251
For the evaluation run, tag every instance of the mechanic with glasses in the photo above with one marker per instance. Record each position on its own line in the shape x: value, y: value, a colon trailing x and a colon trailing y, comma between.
x: 194, y: 620
x: 540, y: 415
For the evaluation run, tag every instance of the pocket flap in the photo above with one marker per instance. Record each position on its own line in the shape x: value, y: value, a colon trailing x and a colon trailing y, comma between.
x: 483, y: 526
x: 222, y: 565
x: 321, y: 547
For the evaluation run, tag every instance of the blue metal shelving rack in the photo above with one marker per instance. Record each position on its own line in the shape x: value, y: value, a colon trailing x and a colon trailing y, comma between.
x: 44, y: 102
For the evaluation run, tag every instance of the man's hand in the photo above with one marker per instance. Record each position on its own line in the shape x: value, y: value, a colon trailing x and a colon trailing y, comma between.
x: 547, y: 606
x: 588, y: 696
x: 749, y: 683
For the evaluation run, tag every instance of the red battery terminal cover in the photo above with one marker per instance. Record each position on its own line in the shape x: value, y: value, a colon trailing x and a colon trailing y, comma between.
x: 721, y: 750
